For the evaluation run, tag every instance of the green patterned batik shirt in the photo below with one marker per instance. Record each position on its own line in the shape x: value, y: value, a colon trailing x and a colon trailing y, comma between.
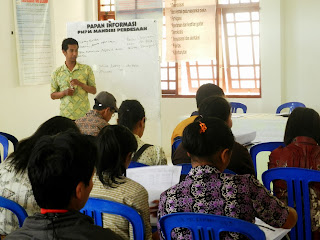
x: 75, y: 106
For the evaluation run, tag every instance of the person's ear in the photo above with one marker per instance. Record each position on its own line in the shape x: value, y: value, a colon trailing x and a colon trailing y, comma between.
x: 225, y: 156
x: 128, y: 159
x: 79, y: 190
x: 64, y: 52
x: 188, y: 155
x: 142, y: 122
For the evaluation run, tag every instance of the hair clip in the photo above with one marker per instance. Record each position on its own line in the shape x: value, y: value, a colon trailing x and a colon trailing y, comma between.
x: 203, y: 127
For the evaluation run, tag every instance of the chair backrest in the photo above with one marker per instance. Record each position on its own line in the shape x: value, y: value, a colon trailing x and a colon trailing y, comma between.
x: 236, y: 105
x: 136, y: 164
x: 290, y: 105
x: 95, y: 207
x: 5, y: 144
x: 175, y: 144
x: 14, y: 207
x: 208, y: 226
x: 298, y: 180
x: 267, y: 146
x: 11, y: 138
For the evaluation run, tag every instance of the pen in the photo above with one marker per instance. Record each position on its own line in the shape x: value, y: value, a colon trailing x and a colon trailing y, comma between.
x: 265, y: 227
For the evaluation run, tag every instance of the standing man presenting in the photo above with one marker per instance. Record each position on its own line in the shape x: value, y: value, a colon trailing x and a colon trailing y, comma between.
x: 72, y: 82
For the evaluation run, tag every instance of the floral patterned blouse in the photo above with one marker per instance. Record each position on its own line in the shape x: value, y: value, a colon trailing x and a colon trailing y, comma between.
x: 207, y: 190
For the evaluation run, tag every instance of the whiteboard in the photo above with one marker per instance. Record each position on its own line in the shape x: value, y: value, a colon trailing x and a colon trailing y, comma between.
x: 125, y: 60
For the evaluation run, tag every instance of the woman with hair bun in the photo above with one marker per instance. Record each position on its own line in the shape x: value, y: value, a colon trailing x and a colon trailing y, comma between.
x: 206, y: 189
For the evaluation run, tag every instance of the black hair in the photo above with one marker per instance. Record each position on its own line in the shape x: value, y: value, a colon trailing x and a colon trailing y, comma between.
x: 130, y: 112
x: 20, y: 157
x: 208, y: 90
x: 57, y: 165
x: 114, y: 144
x: 68, y: 41
x: 202, y: 142
x: 302, y: 122
x: 217, y: 107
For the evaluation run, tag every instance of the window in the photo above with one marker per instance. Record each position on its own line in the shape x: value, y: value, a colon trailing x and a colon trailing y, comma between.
x: 236, y: 68
x: 106, y: 10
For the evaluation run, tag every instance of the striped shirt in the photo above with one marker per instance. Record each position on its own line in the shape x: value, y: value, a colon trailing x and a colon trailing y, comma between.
x: 130, y: 193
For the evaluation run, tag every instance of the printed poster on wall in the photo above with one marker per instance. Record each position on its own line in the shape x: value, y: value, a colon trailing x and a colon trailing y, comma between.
x: 33, y: 40
x: 190, y: 30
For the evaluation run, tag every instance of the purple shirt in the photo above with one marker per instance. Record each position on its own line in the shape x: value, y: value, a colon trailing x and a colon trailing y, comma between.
x: 207, y: 190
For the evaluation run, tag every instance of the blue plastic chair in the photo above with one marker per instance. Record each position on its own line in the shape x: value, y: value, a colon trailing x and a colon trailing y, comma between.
x: 14, y: 207
x: 208, y: 226
x: 290, y: 105
x: 5, y: 144
x: 236, y: 105
x: 136, y: 164
x: 298, y: 180
x: 11, y: 138
x: 261, y: 147
x: 175, y: 144
x: 95, y: 207
x: 186, y: 167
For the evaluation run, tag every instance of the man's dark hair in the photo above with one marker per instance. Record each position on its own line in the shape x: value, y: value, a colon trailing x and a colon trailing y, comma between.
x: 217, y: 107
x: 68, y: 41
x: 57, y: 165
x: 206, y: 141
x: 114, y: 144
x: 130, y: 112
x: 208, y: 90
x: 302, y: 122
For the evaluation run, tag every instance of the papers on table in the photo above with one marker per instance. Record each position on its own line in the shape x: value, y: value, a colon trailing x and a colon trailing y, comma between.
x: 283, y: 114
x: 271, y: 232
x: 244, y: 137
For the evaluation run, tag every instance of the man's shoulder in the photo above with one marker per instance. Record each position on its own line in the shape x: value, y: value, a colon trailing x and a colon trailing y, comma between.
x: 59, y: 69
x: 83, y: 66
x: 177, y: 132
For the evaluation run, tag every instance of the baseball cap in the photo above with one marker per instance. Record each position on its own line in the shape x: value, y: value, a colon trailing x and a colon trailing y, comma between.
x: 104, y: 100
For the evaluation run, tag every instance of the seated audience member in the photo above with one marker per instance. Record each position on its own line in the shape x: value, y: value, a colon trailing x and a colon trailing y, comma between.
x: 103, y: 109
x: 14, y: 182
x: 302, y: 136
x: 131, y: 114
x: 204, y: 91
x: 116, y: 144
x: 209, y: 142
x: 60, y: 170
x: 240, y: 162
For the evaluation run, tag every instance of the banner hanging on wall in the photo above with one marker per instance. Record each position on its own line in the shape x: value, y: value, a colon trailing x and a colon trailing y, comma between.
x: 190, y: 27
x: 33, y: 40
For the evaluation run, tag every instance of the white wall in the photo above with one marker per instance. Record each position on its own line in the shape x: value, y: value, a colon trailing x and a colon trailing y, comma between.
x: 289, y: 54
x: 302, y: 48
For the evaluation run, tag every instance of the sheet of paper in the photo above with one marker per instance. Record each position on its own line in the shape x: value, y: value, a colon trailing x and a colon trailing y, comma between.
x: 155, y: 179
x: 244, y: 137
x: 271, y: 232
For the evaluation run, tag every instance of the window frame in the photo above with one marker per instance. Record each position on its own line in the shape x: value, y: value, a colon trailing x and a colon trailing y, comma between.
x: 221, y: 70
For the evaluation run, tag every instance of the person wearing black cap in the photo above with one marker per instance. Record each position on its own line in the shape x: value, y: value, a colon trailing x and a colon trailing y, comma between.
x: 96, y: 119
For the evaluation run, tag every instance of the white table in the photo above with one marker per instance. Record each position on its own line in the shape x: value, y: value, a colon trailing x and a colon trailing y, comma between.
x: 268, y: 127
